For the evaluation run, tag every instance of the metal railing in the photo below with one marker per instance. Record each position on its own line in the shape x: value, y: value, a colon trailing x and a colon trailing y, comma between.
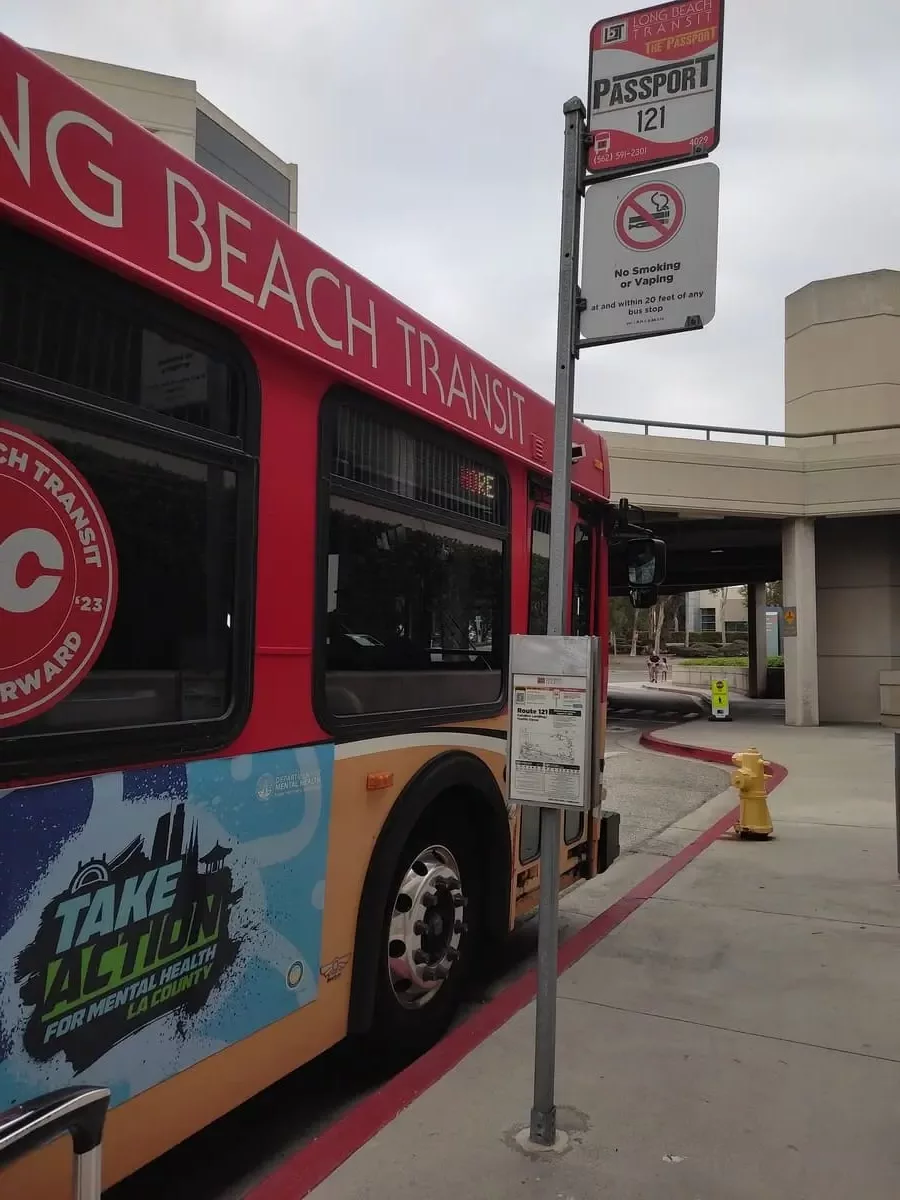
x: 709, y: 430
x: 78, y: 1111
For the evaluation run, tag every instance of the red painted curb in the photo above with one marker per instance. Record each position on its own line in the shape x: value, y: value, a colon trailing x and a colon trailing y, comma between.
x: 652, y: 741
x: 307, y: 1168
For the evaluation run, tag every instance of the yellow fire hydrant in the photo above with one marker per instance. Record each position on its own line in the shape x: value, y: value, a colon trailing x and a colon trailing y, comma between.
x: 755, y: 820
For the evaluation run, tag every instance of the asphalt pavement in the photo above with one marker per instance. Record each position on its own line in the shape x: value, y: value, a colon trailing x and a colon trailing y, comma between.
x: 635, y: 699
x: 650, y: 791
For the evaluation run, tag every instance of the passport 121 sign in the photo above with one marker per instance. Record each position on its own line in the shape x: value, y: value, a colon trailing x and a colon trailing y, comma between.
x: 655, y: 86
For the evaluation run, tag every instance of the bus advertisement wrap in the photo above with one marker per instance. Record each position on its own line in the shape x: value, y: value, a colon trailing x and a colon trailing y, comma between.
x: 150, y: 918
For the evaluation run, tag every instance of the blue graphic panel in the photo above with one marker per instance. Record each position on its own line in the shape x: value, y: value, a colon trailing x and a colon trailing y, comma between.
x: 151, y: 918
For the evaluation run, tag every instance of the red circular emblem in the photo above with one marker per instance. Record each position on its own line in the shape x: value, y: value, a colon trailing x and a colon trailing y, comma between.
x: 58, y: 576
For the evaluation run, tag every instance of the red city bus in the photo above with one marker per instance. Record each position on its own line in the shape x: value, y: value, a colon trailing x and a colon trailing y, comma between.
x: 264, y: 533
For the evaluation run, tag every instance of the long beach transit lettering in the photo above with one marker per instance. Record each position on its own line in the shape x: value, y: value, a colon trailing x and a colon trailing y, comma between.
x: 256, y: 266
x: 479, y: 394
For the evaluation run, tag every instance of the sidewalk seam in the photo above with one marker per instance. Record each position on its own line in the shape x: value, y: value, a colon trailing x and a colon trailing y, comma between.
x: 308, y: 1167
x: 770, y: 912
x: 750, y: 1033
x: 835, y: 825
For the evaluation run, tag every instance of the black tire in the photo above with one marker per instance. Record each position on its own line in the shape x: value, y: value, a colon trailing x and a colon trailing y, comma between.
x: 399, y: 1034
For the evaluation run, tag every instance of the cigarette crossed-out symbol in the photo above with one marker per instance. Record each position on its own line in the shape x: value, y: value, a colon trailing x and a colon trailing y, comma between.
x: 662, y: 211
x: 649, y: 216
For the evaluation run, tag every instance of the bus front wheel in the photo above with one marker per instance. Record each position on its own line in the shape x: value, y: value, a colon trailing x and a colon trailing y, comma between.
x: 429, y: 936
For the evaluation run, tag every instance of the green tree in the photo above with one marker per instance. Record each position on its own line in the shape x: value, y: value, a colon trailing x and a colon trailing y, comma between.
x: 621, y: 619
x: 773, y: 593
x: 662, y: 615
x: 721, y: 594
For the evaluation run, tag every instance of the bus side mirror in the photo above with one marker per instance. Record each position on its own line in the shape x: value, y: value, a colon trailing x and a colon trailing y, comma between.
x: 646, y: 560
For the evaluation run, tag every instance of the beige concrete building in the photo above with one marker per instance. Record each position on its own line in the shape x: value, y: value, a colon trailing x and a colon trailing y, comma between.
x: 706, y: 611
x: 175, y: 111
x: 842, y: 355
x: 834, y: 494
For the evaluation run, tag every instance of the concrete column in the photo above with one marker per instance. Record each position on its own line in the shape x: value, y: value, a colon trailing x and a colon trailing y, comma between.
x: 857, y: 612
x: 842, y: 356
x: 801, y: 652
x: 756, y: 627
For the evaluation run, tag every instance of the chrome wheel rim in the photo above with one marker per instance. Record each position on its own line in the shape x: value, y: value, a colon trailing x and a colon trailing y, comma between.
x: 427, y: 925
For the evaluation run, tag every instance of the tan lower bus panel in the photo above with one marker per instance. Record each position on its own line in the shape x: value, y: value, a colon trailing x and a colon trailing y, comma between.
x: 148, y: 1125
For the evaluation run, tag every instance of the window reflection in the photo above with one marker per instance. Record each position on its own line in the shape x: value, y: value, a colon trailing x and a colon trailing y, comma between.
x: 410, y: 597
x: 168, y: 655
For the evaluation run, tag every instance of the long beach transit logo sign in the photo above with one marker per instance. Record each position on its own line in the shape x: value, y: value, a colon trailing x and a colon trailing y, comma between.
x: 655, y: 86
x: 58, y: 576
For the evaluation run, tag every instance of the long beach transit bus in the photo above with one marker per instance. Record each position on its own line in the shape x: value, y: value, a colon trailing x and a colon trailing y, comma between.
x: 264, y: 533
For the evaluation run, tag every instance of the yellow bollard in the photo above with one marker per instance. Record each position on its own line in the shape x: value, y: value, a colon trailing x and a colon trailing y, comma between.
x: 755, y: 820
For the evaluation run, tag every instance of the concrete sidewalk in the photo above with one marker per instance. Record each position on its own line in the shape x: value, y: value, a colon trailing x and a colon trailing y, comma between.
x: 737, y: 1037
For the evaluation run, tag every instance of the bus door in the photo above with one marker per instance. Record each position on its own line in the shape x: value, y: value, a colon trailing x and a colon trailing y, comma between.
x: 584, y: 617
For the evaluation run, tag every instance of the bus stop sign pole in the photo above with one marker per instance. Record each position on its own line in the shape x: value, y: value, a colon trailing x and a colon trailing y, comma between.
x: 543, y: 1111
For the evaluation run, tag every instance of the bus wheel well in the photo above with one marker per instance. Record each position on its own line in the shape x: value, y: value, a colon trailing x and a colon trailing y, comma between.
x: 460, y: 783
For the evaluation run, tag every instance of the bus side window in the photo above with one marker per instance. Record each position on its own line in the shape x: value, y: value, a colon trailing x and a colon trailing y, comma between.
x: 580, y: 614
x: 582, y: 573
x: 413, y: 579
x: 540, y: 571
x: 581, y: 581
x: 529, y: 821
x: 539, y: 577
x: 157, y: 410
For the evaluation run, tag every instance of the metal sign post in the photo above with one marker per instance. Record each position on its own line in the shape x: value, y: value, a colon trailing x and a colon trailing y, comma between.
x: 543, y: 1110
x: 654, y: 84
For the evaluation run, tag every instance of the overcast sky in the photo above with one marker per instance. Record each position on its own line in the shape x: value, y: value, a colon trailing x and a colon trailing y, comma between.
x: 429, y: 142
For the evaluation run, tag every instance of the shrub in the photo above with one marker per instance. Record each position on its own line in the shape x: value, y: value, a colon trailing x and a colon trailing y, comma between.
x: 694, y: 650
x: 736, y: 660
x: 724, y: 661
x: 729, y: 650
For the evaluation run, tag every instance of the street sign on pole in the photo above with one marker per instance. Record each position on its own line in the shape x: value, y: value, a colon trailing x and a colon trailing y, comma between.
x: 773, y: 638
x: 654, y: 86
x: 553, y: 684
x: 649, y: 254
